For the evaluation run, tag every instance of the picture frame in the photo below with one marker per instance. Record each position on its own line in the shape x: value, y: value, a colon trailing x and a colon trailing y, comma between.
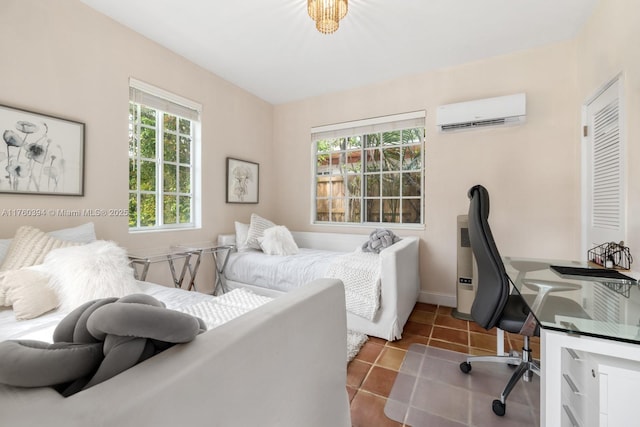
x: 243, y: 181
x: 40, y: 154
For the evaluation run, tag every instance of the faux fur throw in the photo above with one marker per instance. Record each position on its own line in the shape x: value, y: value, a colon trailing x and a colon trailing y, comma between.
x: 379, y: 239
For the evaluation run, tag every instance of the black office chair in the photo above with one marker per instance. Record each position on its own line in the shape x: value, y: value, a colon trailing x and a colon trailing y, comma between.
x: 495, y: 306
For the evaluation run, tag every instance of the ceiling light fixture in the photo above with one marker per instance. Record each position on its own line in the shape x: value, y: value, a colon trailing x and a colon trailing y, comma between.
x: 327, y: 14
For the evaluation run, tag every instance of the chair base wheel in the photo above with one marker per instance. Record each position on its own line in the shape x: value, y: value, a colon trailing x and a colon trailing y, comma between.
x: 465, y: 367
x: 498, y: 408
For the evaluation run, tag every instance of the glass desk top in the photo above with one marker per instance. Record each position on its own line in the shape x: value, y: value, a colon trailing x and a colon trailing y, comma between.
x: 611, y: 305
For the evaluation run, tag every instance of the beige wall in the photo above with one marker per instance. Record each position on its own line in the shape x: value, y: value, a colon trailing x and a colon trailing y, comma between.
x: 64, y: 59
x: 531, y: 171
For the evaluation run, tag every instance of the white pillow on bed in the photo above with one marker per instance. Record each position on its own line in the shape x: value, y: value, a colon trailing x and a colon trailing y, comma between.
x: 83, y: 233
x: 242, y: 230
x: 278, y: 241
x: 27, y: 291
x: 256, y: 230
x: 83, y: 273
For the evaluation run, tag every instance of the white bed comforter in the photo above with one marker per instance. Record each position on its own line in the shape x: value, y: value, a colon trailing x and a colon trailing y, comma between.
x: 41, y: 328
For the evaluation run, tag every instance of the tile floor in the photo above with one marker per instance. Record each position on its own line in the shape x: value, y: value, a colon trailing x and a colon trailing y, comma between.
x: 371, y: 374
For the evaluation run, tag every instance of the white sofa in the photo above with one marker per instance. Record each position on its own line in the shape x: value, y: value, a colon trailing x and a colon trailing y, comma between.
x: 399, y: 274
x: 274, y: 366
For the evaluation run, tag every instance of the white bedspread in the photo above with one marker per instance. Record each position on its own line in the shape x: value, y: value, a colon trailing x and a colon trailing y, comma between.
x: 281, y: 273
x: 41, y: 328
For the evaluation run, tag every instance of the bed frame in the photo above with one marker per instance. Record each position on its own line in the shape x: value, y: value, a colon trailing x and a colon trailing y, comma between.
x: 399, y: 274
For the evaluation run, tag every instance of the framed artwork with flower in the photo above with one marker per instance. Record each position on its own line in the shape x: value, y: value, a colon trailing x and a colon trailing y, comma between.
x: 242, y: 181
x: 42, y: 154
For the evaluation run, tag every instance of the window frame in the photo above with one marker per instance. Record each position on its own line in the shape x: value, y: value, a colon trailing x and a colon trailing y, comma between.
x: 347, y: 130
x: 182, y: 109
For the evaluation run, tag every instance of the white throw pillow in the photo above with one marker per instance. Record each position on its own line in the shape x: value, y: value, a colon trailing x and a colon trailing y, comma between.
x: 28, y: 292
x: 83, y: 233
x: 83, y: 273
x: 242, y: 231
x: 256, y: 230
x: 29, y: 247
x: 278, y: 241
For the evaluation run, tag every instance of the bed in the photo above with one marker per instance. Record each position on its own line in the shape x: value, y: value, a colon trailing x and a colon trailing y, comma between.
x: 251, y: 370
x: 399, y: 282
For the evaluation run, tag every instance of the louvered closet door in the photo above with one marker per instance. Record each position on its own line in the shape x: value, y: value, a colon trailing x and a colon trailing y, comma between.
x: 605, y: 170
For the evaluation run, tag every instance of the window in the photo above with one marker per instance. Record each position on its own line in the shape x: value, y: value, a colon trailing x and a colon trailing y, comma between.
x: 163, y: 145
x: 370, y: 171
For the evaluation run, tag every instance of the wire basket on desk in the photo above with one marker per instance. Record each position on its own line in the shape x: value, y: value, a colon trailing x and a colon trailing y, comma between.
x: 611, y: 255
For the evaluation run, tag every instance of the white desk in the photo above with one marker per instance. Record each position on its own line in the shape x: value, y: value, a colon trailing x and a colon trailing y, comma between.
x: 590, y: 368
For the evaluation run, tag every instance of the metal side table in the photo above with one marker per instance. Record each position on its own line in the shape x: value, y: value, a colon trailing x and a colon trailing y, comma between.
x: 142, y: 259
x: 220, y: 255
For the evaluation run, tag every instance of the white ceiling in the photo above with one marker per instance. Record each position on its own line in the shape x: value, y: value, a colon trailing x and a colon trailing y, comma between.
x: 272, y: 49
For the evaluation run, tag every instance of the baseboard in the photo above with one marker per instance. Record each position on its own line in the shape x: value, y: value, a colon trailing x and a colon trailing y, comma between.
x: 437, y: 299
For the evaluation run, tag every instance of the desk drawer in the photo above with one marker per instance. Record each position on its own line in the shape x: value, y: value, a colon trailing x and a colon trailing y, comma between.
x: 575, y: 365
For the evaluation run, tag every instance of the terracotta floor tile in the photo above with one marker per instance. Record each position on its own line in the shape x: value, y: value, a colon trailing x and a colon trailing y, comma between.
x: 452, y: 335
x: 446, y: 311
x: 391, y: 358
x: 451, y: 322
x: 379, y: 381
x: 367, y: 410
x: 449, y: 346
x: 351, y: 392
x: 422, y: 317
x: 376, y: 340
x: 474, y: 327
x: 425, y: 307
x: 370, y: 351
x: 356, y: 371
x: 480, y: 352
x: 484, y: 341
x: 415, y: 328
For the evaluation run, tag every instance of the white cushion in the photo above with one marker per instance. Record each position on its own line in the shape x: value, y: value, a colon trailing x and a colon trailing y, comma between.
x: 84, y: 233
x: 256, y: 230
x: 242, y: 230
x: 28, y: 292
x: 29, y: 247
x: 278, y: 241
x: 83, y: 273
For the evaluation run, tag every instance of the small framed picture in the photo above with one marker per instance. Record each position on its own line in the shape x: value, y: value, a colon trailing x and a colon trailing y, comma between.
x: 242, y: 181
x: 41, y: 154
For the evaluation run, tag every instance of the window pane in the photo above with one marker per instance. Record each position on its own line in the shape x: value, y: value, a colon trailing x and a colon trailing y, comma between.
x: 170, y: 206
x: 391, y: 185
x: 354, y: 142
x: 391, y: 159
x: 391, y: 210
x: 133, y: 113
x: 391, y: 138
x: 411, y: 184
x: 372, y: 160
x: 185, y: 149
x: 185, y: 126
x: 133, y: 174
x: 412, y: 136
x: 133, y: 145
x: 334, y: 163
x: 147, y: 210
x: 323, y: 146
x: 147, y: 176
x: 372, y: 140
x: 322, y: 210
x: 148, y: 143
x: 354, y: 186
x: 411, y: 211
x: 372, y: 183
x: 169, y: 122
x: 185, y: 180
x: 170, y: 179
x: 322, y: 164
x: 337, y: 186
x: 185, y: 209
x: 353, y: 210
x: 373, y: 210
x: 170, y: 147
x: 322, y: 186
x: 337, y: 210
x: 412, y: 158
x: 133, y: 210
x: 338, y: 144
x: 148, y: 116
x: 353, y: 162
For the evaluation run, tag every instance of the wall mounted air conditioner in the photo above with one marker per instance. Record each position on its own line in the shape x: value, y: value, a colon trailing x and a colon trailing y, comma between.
x: 498, y: 111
